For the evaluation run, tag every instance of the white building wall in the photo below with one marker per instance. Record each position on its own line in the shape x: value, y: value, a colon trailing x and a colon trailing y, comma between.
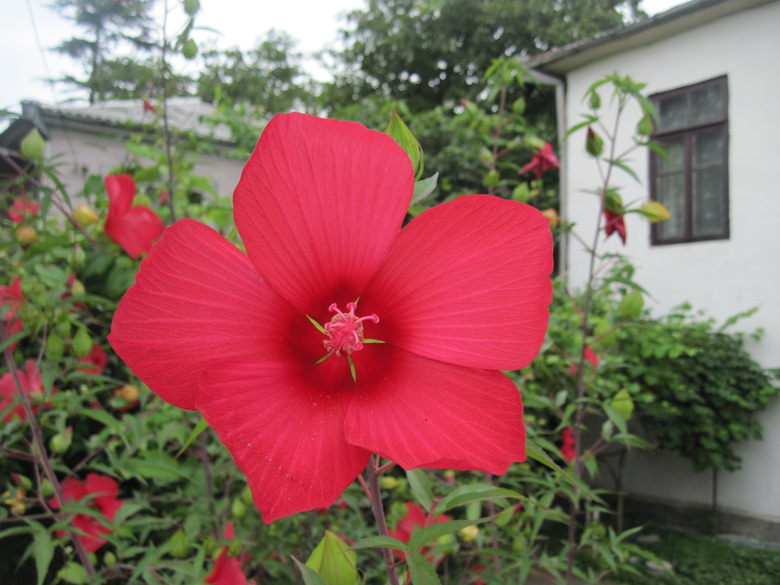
x: 721, y: 277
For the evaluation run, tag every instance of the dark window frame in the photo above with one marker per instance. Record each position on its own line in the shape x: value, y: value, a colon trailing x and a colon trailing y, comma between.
x: 687, y: 133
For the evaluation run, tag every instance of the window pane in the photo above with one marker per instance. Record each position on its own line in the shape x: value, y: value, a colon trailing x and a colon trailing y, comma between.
x: 708, y: 148
x: 674, y: 156
x: 670, y: 193
x: 673, y: 112
x: 708, y: 213
x: 706, y: 104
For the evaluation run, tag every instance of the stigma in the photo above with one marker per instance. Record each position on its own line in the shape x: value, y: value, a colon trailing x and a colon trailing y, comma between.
x: 345, y: 330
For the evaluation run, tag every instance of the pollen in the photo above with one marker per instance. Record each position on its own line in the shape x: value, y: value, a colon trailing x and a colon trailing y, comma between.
x: 345, y: 330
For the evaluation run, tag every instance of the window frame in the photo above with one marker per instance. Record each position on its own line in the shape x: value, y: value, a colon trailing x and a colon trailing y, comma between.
x: 687, y: 134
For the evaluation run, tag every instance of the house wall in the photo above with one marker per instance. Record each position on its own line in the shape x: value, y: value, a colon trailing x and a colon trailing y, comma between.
x: 81, y: 154
x: 721, y: 277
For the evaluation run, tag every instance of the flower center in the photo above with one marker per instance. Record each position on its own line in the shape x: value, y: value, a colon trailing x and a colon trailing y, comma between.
x: 345, y: 330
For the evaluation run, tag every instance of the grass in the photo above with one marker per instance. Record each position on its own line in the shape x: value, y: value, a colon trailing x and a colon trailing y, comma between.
x: 704, y: 560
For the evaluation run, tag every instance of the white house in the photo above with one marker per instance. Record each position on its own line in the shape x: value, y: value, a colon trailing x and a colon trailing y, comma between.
x: 90, y: 138
x: 712, y: 68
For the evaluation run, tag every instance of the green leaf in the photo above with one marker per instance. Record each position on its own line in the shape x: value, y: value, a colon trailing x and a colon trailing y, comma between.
x: 424, y: 188
x: 310, y: 576
x: 421, y: 487
x: 624, y: 167
x: 421, y: 569
x: 430, y: 533
x: 156, y: 465
x: 43, y: 551
x: 334, y: 561
x: 534, y: 451
x: 380, y: 542
x: 400, y: 132
x: 74, y: 573
x: 104, y: 418
x: 199, y: 428
x: 475, y: 492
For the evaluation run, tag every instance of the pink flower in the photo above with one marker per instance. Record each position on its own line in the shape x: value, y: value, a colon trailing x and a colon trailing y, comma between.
x: 414, y: 520
x: 568, y: 451
x: 457, y: 295
x: 95, y: 362
x: 136, y: 228
x: 23, y: 208
x: 30, y: 380
x: 614, y: 222
x: 542, y: 161
x: 11, y: 301
x: 105, y: 491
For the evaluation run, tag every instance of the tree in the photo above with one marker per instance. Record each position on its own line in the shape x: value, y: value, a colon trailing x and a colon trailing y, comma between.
x: 107, y: 24
x: 426, y: 52
x: 269, y: 77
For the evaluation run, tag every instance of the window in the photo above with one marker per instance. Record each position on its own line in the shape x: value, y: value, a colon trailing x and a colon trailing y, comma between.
x: 692, y: 182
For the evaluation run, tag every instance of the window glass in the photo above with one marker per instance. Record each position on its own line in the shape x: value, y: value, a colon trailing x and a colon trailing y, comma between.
x: 708, y: 148
x: 706, y: 104
x: 708, y: 215
x: 675, y: 156
x: 670, y: 192
x: 673, y: 112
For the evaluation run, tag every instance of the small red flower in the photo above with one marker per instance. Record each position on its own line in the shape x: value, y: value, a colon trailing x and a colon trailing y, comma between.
x: 543, y: 160
x: 95, y: 362
x: 30, y: 380
x: 228, y: 570
x: 614, y: 222
x: 415, y: 519
x: 149, y: 106
x: 22, y: 208
x: 105, y: 491
x: 136, y: 228
x: 568, y: 451
x: 11, y: 301
x: 454, y: 297
x: 590, y: 356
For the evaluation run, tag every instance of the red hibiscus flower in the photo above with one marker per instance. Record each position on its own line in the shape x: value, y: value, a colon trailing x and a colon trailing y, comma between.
x: 590, y: 356
x: 30, y: 380
x: 11, y: 301
x: 95, y: 362
x: 22, y: 208
x: 136, y: 228
x: 457, y: 295
x: 415, y: 519
x: 227, y: 570
x: 105, y: 491
x: 614, y: 222
x: 567, y: 444
x: 542, y: 161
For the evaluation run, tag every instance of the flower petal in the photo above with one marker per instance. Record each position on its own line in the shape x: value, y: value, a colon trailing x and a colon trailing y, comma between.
x: 196, y: 301
x: 468, y: 283
x: 285, y: 432
x: 107, y: 491
x: 135, y: 230
x: 424, y: 413
x: 318, y: 205
x: 121, y: 192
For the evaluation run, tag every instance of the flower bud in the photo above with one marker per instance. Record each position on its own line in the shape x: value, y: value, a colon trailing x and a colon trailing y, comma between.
x: 234, y: 549
x: 552, y: 216
x: 33, y: 145
x: 82, y: 342
x: 468, y: 533
x: 85, y: 215
x: 55, y: 347
x: 109, y: 559
x: 60, y: 442
x: 128, y: 392
x: 26, y: 235
x: 238, y: 508
x: 388, y: 482
x: 178, y: 546
x: 594, y: 144
x: 246, y: 496
x: 77, y: 288
x: 47, y: 489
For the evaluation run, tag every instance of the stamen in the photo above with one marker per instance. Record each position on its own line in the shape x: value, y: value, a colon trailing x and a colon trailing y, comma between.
x: 345, y: 330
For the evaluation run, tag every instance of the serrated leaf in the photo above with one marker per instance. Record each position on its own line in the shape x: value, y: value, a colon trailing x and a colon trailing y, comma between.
x: 420, y: 485
x: 380, y: 542
x: 199, y: 428
x: 73, y: 573
x: 475, y: 493
x: 43, y: 551
x: 534, y: 451
x: 156, y: 465
x: 421, y: 569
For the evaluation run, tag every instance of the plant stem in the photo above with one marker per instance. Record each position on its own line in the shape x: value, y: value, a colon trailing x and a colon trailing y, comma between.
x: 39, y: 450
x: 372, y: 483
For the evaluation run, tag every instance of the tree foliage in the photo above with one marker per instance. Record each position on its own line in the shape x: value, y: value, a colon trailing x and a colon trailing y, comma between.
x: 427, y: 52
